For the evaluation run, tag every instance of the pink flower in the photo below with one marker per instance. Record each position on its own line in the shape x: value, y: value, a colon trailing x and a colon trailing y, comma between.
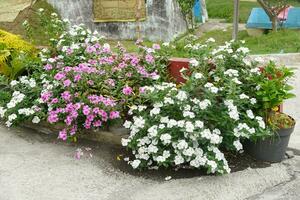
x: 45, y: 96
x: 68, y: 69
x: 66, y: 95
x: 114, y: 115
x: 156, y: 46
x: 54, y: 101
x: 103, y: 115
x: 86, y: 110
x: 63, y: 135
x: 69, y: 51
x: 48, y: 67
x: 142, y: 90
x: 110, y: 82
x: 68, y: 120
x: 149, y: 59
x: 90, y: 49
x: 90, y: 82
x: 52, y: 118
x: 73, y: 130
x: 77, y: 77
x: 67, y: 83
x: 97, y: 123
x: 127, y: 90
x: 59, y: 76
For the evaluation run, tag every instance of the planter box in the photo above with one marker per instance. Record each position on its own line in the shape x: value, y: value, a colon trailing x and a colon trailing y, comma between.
x: 113, y: 136
x: 174, y: 67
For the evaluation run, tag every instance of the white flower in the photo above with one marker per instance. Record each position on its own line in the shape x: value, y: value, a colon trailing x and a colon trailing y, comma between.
x: 41, y: 9
x: 261, y: 122
x: 243, y: 96
x: 237, y: 144
x: 36, y: 120
x: 181, y: 96
x: 253, y: 101
x: 164, y: 120
x: 106, y: 46
x: 152, y: 131
x: 166, y: 138
x: 155, y: 111
x: 2, y: 112
x: 139, y: 122
x: 168, y: 178
x: 135, y: 164
x: 189, y: 127
x: 194, y: 62
x: 182, y: 144
x: 8, y: 123
x: 189, y: 114
x: 171, y: 123
x: 243, y: 50
x: 166, y: 44
x: 189, y: 151
x: 204, y: 104
x: 124, y: 142
x: 160, y: 159
x: 152, y: 148
x: 213, y: 165
x: 13, y: 83
x: 250, y: 114
x: 168, y: 100
x: 237, y: 81
x: 180, y: 123
x: 210, y: 40
x: 178, y: 160
x: 12, y: 117
x: 127, y: 124
x: 231, y: 73
x: 198, y: 76
x: 199, y: 124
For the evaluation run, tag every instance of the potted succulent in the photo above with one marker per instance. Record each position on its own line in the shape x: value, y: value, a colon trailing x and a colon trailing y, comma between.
x: 272, y: 89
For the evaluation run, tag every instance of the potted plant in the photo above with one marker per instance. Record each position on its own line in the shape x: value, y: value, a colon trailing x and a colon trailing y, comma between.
x: 272, y: 89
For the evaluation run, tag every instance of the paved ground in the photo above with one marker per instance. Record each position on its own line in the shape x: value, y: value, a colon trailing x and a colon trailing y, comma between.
x: 38, y: 167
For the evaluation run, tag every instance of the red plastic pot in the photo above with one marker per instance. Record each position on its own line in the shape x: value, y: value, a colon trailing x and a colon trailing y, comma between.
x: 174, y: 67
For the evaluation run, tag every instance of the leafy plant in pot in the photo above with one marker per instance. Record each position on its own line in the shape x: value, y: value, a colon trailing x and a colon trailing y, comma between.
x: 272, y: 89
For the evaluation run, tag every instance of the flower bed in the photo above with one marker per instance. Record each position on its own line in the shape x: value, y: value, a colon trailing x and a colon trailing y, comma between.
x: 82, y: 85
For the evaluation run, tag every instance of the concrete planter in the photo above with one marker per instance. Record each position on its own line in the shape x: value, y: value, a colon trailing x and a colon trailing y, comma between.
x: 112, y: 136
x: 271, y: 149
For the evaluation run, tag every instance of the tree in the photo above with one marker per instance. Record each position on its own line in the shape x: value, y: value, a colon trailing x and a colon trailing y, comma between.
x: 203, y: 9
x: 273, y: 8
x: 187, y: 11
x: 236, y: 19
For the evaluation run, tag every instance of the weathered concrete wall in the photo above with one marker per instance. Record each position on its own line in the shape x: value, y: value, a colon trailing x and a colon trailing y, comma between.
x: 164, y: 19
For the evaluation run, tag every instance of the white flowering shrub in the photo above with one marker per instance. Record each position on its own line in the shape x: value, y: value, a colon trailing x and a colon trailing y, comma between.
x: 193, y: 125
x: 20, y: 102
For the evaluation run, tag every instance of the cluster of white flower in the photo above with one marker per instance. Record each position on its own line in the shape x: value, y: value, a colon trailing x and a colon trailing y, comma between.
x: 17, y: 97
x: 164, y: 140
x: 211, y: 87
x: 231, y: 73
x: 232, y: 109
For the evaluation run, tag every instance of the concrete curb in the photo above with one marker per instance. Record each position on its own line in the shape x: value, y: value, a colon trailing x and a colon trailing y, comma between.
x: 113, y: 136
x: 283, y: 59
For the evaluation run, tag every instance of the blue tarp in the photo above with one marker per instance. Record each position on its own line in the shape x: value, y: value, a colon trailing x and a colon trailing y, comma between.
x: 197, y: 11
x: 259, y: 19
x: 293, y: 19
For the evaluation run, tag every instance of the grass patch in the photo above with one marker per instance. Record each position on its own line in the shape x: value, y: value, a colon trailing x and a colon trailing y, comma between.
x: 283, y: 41
x: 223, y: 9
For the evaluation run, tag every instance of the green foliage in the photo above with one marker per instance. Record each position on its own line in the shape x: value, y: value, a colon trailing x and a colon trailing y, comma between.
x: 187, y: 10
x: 273, y: 87
x: 281, y: 121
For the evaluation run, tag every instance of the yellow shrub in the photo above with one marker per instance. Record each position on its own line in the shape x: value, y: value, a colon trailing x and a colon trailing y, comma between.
x: 12, y: 45
x: 12, y: 41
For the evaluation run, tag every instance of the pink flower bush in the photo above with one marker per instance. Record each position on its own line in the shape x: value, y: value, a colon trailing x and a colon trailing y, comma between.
x: 87, y: 84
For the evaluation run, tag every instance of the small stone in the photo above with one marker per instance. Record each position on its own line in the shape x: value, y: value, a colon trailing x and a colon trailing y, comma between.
x: 168, y: 178
x: 289, y: 154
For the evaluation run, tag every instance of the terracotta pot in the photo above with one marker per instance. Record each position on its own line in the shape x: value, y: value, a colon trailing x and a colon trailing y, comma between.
x: 174, y: 67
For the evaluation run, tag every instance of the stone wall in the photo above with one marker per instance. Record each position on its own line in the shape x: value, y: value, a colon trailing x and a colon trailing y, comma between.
x: 164, y: 20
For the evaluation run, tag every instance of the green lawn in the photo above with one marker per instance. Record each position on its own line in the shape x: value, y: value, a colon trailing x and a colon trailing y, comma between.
x: 223, y: 9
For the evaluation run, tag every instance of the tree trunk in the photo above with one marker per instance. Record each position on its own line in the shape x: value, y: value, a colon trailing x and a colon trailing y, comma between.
x: 273, y: 17
x: 203, y: 9
x: 236, y: 19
